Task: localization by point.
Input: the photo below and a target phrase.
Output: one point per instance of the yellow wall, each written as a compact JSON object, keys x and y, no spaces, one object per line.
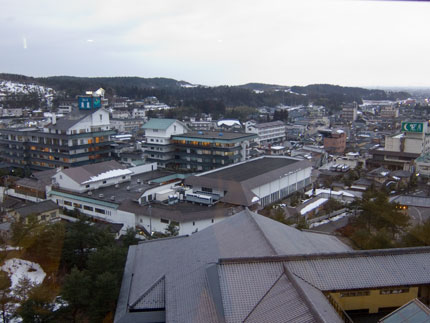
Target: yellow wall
{"x":374,"y":300}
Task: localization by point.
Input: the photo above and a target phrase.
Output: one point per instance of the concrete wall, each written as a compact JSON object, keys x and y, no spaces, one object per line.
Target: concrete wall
{"x":374,"y":300}
{"x":188,"y":227}
{"x":284,"y":186}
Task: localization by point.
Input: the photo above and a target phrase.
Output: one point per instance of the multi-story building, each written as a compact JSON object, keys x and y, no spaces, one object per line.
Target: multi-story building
{"x":268,"y":132}
{"x":158,"y":147}
{"x":82,"y":137}
{"x":389,"y":112}
{"x":208,"y":150}
{"x":334,"y":140}
{"x":139,"y":113}
{"x":349,"y":112}
{"x":127,"y":125}
{"x":262,"y":180}
{"x":402,"y":149}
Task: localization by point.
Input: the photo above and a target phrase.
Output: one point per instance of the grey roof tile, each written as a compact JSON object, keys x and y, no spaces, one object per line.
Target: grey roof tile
{"x":184,"y":261}
{"x":243,"y":286}
{"x":37,"y":208}
{"x":360,"y":270}
{"x":83,"y":173}
{"x":282,"y":303}
{"x":153,"y":298}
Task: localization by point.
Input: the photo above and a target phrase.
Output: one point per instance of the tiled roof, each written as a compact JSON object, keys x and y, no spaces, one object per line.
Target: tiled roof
{"x":71,"y":119}
{"x":215,"y":135}
{"x":84,"y":173}
{"x":188,"y":294}
{"x":269,"y":124}
{"x":158,"y":123}
{"x":37,"y":208}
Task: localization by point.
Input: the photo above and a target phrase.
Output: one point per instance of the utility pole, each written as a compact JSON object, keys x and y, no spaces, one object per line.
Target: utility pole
{"x":150,"y":220}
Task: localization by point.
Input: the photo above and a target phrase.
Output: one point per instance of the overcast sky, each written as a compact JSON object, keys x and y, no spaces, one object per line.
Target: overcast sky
{"x":345,"y":42}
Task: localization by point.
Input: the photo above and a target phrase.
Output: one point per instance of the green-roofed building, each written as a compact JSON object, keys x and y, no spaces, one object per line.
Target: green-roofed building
{"x":158,"y":147}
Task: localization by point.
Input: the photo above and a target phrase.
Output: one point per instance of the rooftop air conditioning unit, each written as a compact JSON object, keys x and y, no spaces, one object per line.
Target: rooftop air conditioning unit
{"x":128,"y":188}
{"x":112,"y":198}
{"x":116,"y":185}
{"x":90,"y":193}
{"x":101,"y":195}
{"x":138,"y":181}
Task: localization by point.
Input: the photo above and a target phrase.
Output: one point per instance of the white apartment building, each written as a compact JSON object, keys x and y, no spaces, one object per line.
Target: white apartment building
{"x":268,"y":132}
{"x":158,"y":147}
{"x":138,"y":113}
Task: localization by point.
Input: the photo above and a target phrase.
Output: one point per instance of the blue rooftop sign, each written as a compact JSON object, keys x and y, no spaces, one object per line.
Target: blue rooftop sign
{"x":89,"y":102}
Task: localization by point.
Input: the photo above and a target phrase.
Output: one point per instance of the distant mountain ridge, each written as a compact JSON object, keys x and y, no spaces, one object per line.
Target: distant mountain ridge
{"x":180,"y":93}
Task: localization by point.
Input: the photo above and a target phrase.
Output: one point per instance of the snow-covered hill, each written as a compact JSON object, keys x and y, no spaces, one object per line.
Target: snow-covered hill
{"x":9,"y":87}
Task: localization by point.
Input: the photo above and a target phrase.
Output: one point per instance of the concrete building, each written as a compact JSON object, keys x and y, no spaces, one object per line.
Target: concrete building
{"x":402,"y":149}
{"x":158,"y":147}
{"x":127,"y":125}
{"x":263,"y":180}
{"x":205,"y":150}
{"x":334,"y":140}
{"x":349,"y":113}
{"x":268,"y":132}
{"x":81,"y":137}
{"x":139,"y":197}
{"x":389,"y":112}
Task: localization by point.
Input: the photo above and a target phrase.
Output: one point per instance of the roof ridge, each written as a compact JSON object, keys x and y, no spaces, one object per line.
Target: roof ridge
{"x":303,"y":294}
{"x":264,"y":296}
{"x":328,"y":255}
{"x":164,"y":239}
{"x":146,"y":293}
{"x":251,"y":215}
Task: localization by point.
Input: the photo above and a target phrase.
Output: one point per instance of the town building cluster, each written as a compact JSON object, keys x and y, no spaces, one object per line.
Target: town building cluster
{"x":121,"y":163}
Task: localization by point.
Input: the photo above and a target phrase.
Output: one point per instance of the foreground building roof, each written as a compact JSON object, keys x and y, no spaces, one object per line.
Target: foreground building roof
{"x":250,"y":268}
{"x":179,"y":278}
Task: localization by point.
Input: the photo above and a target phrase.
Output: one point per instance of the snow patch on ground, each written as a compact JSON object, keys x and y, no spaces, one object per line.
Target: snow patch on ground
{"x":333,"y":219}
{"x":19,"y":269}
{"x":327,"y":191}
{"x":312,"y":206}
{"x":9,"y":248}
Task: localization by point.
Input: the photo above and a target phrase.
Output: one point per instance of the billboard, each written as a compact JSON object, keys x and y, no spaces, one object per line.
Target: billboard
{"x":89,"y":102}
{"x":412,"y":126}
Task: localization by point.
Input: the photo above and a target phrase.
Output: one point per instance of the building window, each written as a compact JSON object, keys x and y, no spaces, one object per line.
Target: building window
{"x":101,"y":211}
{"x":355,"y":293}
{"x":164,"y":221}
{"x":212,"y":220}
{"x":389,"y":291}
{"x":101,"y":117}
{"x":206,"y":189}
{"x":104,"y":182}
{"x":87,"y":186}
{"x":88,"y":208}
{"x":194,"y":223}
{"x":68,"y":203}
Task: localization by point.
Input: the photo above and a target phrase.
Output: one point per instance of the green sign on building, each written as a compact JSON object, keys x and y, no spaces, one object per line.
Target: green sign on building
{"x":412,"y":126}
